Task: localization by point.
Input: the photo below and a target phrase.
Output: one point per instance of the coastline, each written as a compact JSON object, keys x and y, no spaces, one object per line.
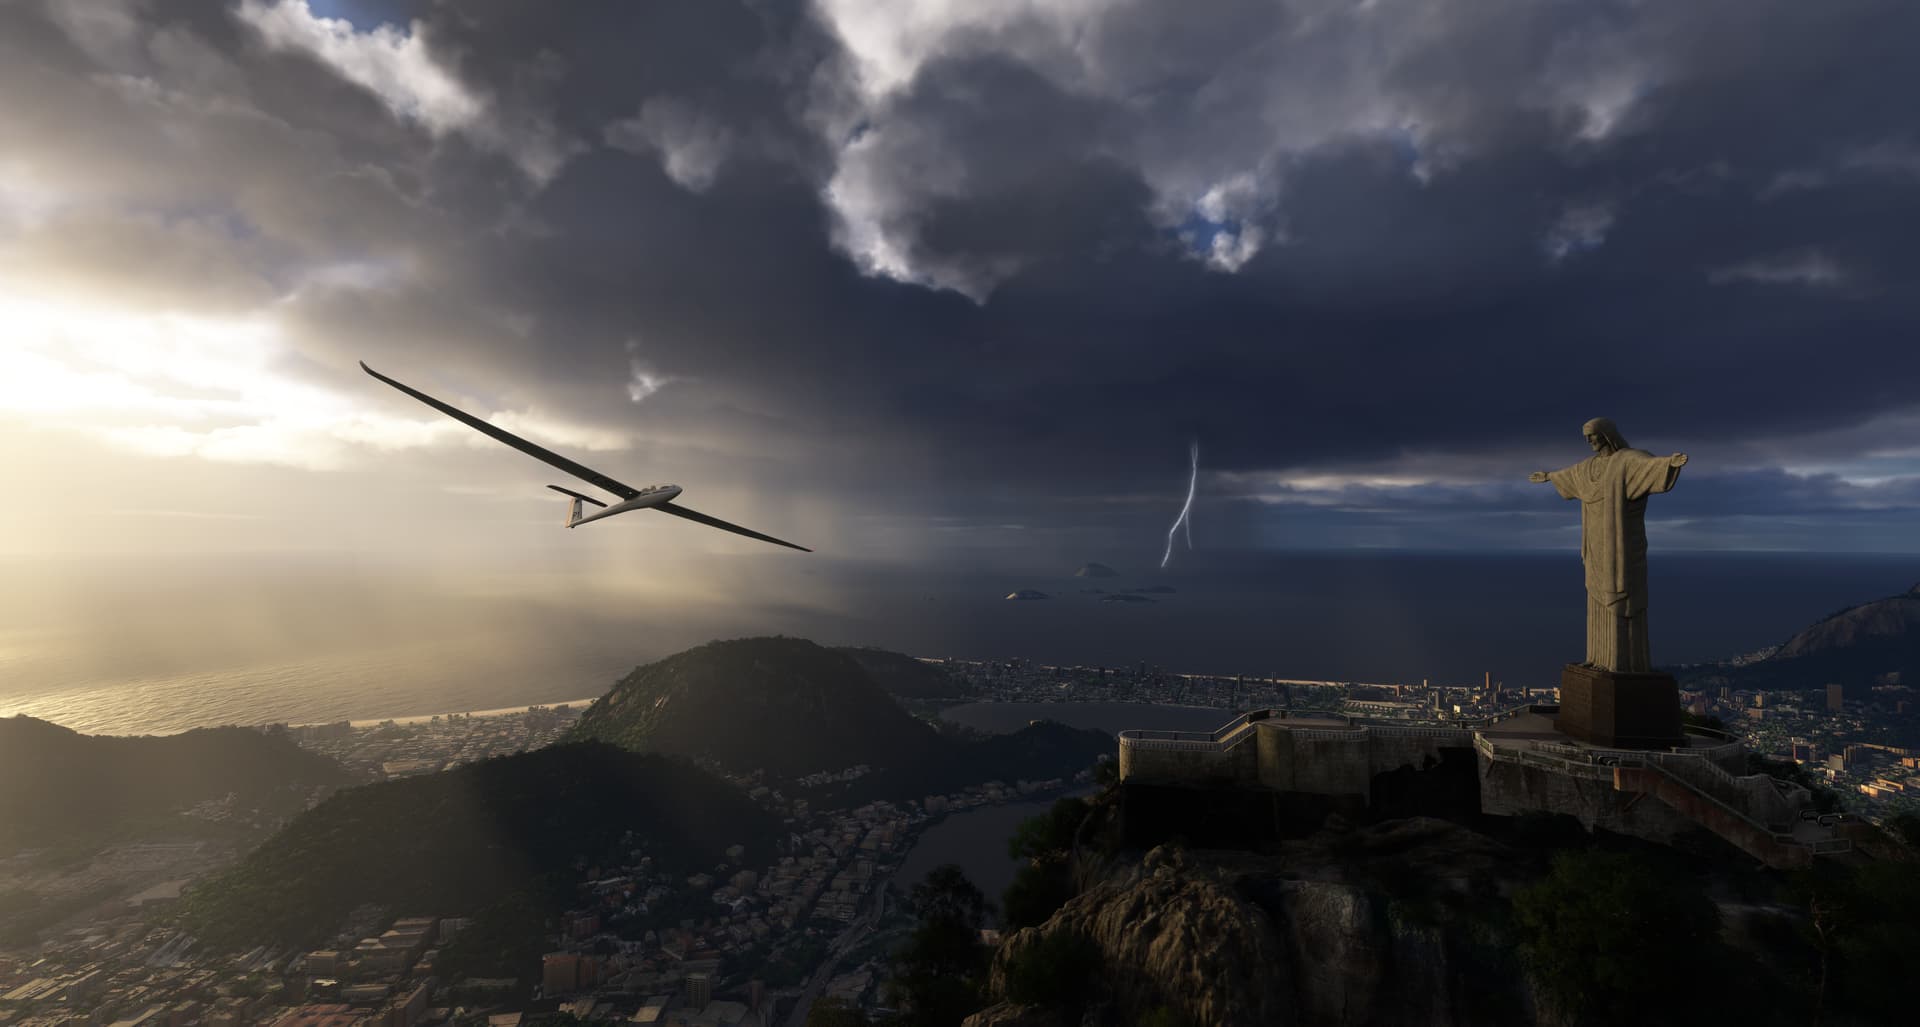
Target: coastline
{"x":426,"y":718}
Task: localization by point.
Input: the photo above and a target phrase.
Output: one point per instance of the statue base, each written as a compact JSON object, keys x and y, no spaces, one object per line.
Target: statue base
{"x":1619,"y":710}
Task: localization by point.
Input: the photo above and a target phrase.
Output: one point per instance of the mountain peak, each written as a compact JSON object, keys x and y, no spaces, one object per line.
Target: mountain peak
{"x":781,"y":704}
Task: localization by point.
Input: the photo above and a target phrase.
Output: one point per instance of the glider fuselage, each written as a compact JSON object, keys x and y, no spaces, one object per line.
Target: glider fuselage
{"x":652,"y":495}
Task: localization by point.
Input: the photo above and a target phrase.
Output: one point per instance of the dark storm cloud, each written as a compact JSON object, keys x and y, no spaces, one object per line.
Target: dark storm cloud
{"x":982,"y":287}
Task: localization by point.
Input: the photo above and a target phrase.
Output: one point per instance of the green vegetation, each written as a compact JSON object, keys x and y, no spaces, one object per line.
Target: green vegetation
{"x":62,"y":788}
{"x":1691,"y":719}
{"x":506,"y":939}
{"x":905,"y":677}
{"x":1617,"y":938}
{"x":1059,"y":972}
{"x":1045,"y":883}
{"x":784,"y":705}
{"x":940,"y":973}
{"x":1050,"y":834}
{"x":1862,"y":927}
{"x":505,"y":834}
{"x":1163,"y":1016}
{"x":792,"y":708}
{"x":1825,"y":799}
{"x":1905,"y":829}
{"x":832,"y":1012}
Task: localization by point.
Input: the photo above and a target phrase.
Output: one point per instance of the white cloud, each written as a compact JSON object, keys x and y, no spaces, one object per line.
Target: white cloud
{"x":1578,"y":228}
{"x":177,"y":385}
{"x":1599,"y":77}
{"x":642,"y":380}
{"x":1895,"y":159}
{"x":691,"y":146}
{"x":394,"y":65}
{"x":399,"y":67}
{"x":106,"y":30}
{"x":1230,"y":250}
{"x":1810,"y":268}
{"x":551,"y":432}
{"x":27,"y":199}
{"x":891,"y":41}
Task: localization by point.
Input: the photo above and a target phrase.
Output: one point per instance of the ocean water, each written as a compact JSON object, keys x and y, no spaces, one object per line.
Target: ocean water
{"x":114,"y":649}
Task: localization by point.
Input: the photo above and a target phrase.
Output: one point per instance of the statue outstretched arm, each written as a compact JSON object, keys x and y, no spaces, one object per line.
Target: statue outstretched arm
{"x":1647,"y":473}
{"x":1565,"y":481}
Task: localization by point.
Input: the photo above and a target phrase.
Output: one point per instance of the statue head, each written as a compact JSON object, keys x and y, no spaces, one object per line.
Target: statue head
{"x":1603,"y":436}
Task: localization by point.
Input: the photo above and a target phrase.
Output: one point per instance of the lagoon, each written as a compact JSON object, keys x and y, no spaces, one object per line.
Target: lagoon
{"x":1112,"y":717}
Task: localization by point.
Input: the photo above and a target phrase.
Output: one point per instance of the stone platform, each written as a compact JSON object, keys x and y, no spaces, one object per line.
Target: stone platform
{"x":1620,"y":711}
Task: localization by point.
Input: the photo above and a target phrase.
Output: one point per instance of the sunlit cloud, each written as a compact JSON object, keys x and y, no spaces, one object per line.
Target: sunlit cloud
{"x":394,"y":65}
{"x":26,"y":198}
{"x":399,"y":67}
{"x":176,"y":385}
{"x":642,"y":380}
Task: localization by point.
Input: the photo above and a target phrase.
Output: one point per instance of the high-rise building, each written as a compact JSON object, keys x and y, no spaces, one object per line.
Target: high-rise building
{"x":1836,"y":697}
{"x":699,"y":990}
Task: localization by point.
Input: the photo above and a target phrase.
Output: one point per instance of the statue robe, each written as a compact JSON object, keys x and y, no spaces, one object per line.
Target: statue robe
{"x":1612,"y":489}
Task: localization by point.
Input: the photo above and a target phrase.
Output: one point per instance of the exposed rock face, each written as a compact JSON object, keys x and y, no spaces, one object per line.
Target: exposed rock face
{"x":1375,"y":926}
{"x":1006,"y":1015}
{"x":1186,"y":937}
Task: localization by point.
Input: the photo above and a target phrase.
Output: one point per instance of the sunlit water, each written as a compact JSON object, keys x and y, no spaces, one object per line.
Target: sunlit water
{"x":434,"y":678}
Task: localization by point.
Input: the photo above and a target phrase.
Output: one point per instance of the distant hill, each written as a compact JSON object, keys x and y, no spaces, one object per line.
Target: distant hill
{"x":58,"y":786}
{"x":1876,"y":642}
{"x":904,"y":676}
{"x":458,"y":842}
{"x":1095,"y":570}
{"x":784,"y":705}
{"x":792,"y":708}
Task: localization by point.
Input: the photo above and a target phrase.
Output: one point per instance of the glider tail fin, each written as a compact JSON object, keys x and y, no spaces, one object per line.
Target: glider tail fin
{"x":573,"y":503}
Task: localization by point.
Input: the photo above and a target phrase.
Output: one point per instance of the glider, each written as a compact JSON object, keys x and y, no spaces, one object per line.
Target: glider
{"x":653,"y":497}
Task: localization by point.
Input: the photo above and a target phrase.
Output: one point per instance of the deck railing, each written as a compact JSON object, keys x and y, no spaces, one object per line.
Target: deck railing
{"x":1225,"y":737}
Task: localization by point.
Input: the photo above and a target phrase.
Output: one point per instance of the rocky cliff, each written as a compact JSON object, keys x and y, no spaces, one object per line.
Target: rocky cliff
{"x":1396,"y":923}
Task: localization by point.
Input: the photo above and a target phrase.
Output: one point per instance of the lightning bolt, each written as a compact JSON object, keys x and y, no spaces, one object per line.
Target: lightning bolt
{"x":1185,"y":509}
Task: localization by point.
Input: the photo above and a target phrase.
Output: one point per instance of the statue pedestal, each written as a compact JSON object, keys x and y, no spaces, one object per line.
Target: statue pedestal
{"x":1619,"y":711}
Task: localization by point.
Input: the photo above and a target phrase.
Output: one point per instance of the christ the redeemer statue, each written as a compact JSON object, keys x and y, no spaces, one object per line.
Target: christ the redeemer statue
{"x":1612,"y":487}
